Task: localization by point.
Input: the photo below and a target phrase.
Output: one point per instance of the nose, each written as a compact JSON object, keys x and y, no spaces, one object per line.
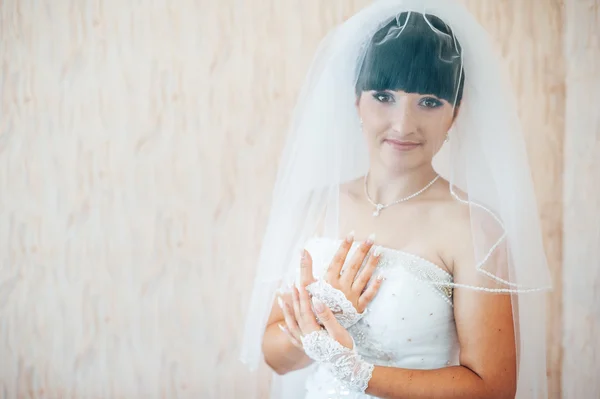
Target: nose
{"x":404,"y":121}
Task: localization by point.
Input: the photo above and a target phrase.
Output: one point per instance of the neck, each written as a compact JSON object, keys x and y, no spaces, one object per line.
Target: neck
{"x":385,"y":186}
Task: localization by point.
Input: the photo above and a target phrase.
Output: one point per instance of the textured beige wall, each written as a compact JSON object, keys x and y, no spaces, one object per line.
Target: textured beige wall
{"x":137,"y":154}
{"x":581,"y":270}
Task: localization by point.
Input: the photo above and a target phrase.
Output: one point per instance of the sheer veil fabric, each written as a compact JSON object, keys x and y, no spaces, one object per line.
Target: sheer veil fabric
{"x":485,"y":163}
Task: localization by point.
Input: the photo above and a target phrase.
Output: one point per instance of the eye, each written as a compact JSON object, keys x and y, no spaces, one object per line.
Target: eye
{"x":430,"y":102}
{"x":383,"y":97}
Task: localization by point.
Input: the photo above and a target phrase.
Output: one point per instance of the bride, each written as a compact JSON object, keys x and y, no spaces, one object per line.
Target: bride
{"x":403,"y":256}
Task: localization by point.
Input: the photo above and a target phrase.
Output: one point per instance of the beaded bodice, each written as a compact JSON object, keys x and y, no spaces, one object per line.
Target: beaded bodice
{"x":409,"y":324}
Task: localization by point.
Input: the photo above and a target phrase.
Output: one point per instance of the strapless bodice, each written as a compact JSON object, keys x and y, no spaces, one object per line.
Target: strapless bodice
{"x":409,"y":324}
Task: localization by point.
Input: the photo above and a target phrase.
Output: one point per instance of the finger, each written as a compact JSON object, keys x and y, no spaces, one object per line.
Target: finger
{"x":290,"y":319}
{"x":333,"y":327}
{"x":369,"y":293}
{"x":308,"y":320}
{"x":357,"y":260}
{"x":296,"y":306}
{"x":306,"y":273}
{"x":293,"y":340}
{"x":335,"y":267}
{"x":366,"y":273}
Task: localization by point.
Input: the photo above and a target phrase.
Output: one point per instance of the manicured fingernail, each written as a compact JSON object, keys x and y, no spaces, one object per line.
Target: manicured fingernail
{"x":350,"y":237}
{"x":377,"y":252}
{"x":280,"y":302}
{"x":371,"y":239}
{"x":319,"y":307}
{"x":302,"y":254}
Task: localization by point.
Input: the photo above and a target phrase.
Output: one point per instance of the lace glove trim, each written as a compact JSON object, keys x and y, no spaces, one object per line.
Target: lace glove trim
{"x":342,"y":308}
{"x":345,"y":364}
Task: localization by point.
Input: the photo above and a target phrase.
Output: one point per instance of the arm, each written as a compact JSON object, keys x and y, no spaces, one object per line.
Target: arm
{"x":487,"y":356}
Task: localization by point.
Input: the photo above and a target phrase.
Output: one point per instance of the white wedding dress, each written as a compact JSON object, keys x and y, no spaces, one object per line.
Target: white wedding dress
{"x":409,"y":324}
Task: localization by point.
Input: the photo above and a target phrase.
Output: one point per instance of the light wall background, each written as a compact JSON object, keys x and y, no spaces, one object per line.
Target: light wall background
{"x":138,"y":145}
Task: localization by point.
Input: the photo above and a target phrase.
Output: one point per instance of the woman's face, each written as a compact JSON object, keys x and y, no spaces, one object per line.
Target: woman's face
{"x":404,"y":130}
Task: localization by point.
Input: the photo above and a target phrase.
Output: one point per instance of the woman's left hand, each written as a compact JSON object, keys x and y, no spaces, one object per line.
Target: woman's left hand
{"x":354,"y":283}
{"x":308,"y":322}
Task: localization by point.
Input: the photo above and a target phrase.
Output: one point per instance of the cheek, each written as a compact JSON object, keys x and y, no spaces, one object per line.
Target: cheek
{"x":368,"y":108}
{"x":436,"y":124}
{"x":376,"y":117}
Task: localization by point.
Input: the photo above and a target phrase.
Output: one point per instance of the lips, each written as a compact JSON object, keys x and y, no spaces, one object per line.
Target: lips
{"x":401,"y":145}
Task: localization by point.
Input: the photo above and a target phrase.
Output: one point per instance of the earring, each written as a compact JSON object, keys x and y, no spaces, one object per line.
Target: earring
{"x":447,"y":139}
{"x":361,"y":123}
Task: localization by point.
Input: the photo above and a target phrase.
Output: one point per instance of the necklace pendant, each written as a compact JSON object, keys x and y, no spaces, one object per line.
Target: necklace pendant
{"x":378,"y":210}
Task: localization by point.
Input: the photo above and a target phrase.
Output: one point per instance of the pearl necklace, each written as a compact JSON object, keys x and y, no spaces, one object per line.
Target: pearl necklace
{"x":380,"y":207}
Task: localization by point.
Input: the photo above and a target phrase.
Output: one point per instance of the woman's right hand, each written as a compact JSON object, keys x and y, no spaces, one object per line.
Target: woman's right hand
{"x":290,"y":326}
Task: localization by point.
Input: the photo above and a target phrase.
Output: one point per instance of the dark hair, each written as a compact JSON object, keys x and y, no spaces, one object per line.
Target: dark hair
{"x":416,"y":60}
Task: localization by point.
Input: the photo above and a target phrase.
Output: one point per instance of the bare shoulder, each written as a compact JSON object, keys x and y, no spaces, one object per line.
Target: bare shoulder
{"x":453,"y":218}
{"x":465,"y":226}
{"x":348,"y":193}
{"x":453,"y":214}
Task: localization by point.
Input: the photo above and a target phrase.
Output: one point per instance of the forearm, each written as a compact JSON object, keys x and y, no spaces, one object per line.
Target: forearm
{"x":447,"y":383}
{"x":280,"y":354}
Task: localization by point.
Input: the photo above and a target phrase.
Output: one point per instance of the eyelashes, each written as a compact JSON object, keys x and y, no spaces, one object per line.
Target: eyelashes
{"x":388,"y":98}
{"x":430,"y":102}
{"x":383,"y":97}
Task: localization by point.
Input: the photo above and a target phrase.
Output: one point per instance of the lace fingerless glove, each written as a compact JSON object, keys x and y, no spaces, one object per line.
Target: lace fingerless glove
{"x":342,"y":308}
{"x":345,"y":364}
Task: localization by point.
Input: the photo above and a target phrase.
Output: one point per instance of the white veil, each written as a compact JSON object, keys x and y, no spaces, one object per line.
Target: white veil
{"x":485,"y":163}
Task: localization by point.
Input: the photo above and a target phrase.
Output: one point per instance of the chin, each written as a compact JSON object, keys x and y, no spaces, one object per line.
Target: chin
{"x":398,"y":163}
